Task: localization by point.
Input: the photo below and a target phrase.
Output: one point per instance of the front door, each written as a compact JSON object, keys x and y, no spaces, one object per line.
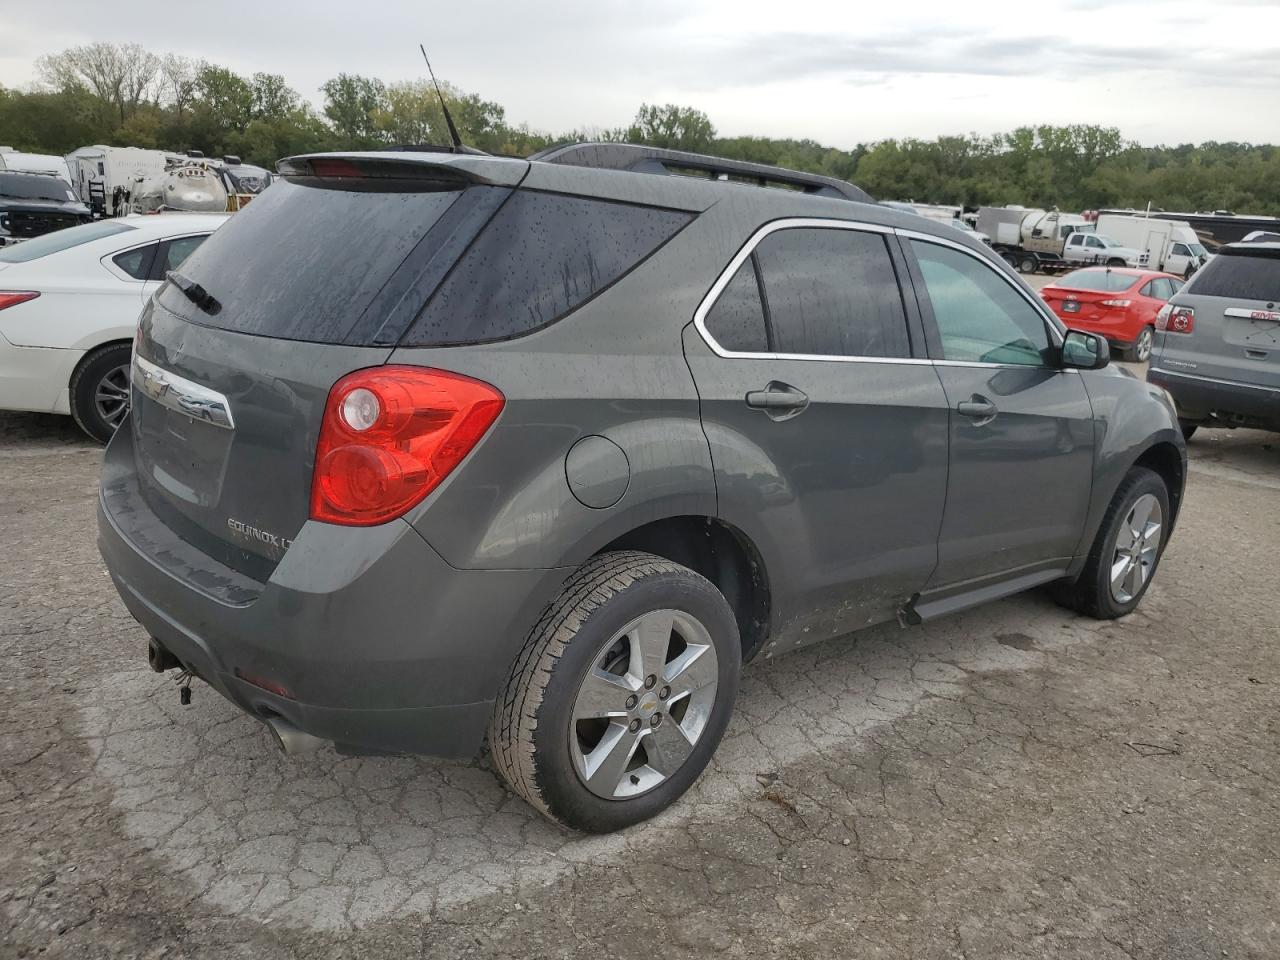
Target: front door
{"x":828,"y":436}
{"x":1021,"y":429}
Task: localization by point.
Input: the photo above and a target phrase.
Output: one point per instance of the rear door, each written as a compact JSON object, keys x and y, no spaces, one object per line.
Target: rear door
{"x":1021,"y":429}
{"x":1236,"y":332}
{"x":828,"y":431}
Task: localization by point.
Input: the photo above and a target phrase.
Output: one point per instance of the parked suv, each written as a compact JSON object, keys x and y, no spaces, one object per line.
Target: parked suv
{"x":1217,"y":344}
{"x":428,"y":447}
{"x":33,"y":204}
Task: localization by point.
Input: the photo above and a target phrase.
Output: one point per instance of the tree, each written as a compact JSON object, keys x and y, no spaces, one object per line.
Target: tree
{"x":353,"y":103}
{"x":225,"y":97}
{"x":673,"y":127}
{"x":120,"y":74}
{"x":272,"y":98}
{"x":178,"y":81}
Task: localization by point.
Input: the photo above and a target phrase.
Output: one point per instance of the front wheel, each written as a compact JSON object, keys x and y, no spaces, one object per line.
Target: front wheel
{"x":1126,"y":552}
{"x":620,"y":695}
{"x":100,"y":390}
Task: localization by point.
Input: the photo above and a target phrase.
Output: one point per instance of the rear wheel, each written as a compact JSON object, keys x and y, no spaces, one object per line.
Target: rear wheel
{"x":620,"y":695}
{"x":99,"y":390}
{"x":1028,"y":265}
{"x":1141,"y":349}
{"x":1125,"y":553}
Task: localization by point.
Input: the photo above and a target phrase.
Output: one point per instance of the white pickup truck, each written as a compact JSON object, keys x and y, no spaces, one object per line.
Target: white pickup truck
{"x":1095,"y":248}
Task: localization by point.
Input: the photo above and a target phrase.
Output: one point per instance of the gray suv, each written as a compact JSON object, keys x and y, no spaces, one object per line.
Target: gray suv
{"x":430,"y":448}
{"x":1217,"y":343}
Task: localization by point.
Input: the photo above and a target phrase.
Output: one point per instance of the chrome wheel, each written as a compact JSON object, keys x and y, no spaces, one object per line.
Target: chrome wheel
{"x":643,"y":704}
{"x":1142,"y":350}
{"x":111,"y":397}
{"x":1137,"y":546}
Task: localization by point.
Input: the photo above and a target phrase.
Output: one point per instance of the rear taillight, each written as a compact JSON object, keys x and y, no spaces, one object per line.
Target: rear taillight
{"x":1115,"y":303}
{"x":1173,"y":319}
{"x":12,"y":298}
{"x":390,"y":435}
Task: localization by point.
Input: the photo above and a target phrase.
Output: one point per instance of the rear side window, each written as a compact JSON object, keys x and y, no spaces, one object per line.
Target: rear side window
{"x":302,"y":262}
{"x":832,"y":292}
{"x":177,"y":251}
{"x":541,"y":256}
{"x":737,"y":318}
{"x":137,"y":263}
{"x":1239,"y":278}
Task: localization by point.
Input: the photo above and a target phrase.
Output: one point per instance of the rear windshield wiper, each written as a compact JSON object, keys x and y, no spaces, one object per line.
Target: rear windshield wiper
{"x":197,"y":294}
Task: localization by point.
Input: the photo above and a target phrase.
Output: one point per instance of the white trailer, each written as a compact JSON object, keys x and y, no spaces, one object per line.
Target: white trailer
{"x":1171,"y":245}
{"x":103,"y":176}
{"x":20,"y":162}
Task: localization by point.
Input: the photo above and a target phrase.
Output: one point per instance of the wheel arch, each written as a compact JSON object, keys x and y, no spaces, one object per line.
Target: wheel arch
{"x":1165,"y":459}
{"x":92,"y":348}
{"x":724,"y":555}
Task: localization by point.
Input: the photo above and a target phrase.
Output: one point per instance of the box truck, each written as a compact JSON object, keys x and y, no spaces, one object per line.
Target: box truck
{"x":1171,"y":245}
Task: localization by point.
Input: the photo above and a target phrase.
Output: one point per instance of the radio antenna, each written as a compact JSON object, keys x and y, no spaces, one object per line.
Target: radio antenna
{"x":453,"y":131}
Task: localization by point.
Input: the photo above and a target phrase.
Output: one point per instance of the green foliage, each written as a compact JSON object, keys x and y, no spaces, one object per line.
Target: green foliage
{"x":122,"y":94}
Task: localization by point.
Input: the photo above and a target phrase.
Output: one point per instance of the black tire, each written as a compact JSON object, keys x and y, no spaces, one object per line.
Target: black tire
{"x":103,"y":363}
{"x":1091,"y":593}
{"x":531,"y":724}
{"x":1188,"y":428}
{"x":1116,"y":262}
{"x":1028,"y":265}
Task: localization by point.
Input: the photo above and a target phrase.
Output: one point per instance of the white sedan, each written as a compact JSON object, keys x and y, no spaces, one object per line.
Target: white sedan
{"x":69,"y":305}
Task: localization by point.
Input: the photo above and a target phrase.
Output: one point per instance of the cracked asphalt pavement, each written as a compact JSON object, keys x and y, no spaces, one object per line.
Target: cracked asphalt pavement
{"x":1014,"y":781}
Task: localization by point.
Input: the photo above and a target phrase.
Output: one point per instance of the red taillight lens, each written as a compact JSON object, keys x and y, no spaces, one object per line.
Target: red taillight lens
{"x":390,"y":435}
{"x":1115,"y":303}
{"x":1173,"y":319}
{"x":12,"y":298}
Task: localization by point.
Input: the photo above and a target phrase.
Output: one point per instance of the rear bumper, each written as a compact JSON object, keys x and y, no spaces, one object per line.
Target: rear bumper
{"x":378,"y":642}
{"x":1202,"y":398}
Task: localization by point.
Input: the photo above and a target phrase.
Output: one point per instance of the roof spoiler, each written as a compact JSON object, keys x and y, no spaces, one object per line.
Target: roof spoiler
{"x":643,"y":159}
{"x":407,"y":165}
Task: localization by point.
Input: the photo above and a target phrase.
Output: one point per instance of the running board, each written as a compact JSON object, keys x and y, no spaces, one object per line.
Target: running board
{"x":914,"y":612}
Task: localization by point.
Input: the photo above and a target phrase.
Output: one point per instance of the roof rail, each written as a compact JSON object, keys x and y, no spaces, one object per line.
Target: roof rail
{"x":642,"y":159}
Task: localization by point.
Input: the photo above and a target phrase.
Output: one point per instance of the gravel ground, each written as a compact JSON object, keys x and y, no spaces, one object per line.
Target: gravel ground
{"x":1010,"y":782}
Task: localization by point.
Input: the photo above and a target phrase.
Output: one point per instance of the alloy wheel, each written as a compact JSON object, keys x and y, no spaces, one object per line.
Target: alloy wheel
{"x":1137,"y":547}
{"x":1143,"y":349}
{"x":111,"y":396}
{"x":644,"y":704}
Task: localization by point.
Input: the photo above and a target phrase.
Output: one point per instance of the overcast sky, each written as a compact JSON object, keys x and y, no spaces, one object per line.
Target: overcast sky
{"x":841,"y":72}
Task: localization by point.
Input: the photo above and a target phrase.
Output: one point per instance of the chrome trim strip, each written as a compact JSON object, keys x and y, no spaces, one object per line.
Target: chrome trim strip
{"x":1247,"y":314}
{"x":183,"y":395}
{"x":1226,"y":383}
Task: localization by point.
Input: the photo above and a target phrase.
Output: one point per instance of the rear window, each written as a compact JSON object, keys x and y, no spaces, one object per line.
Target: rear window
{"x":327,"y":262}
{"x":1239,"y":277}
{"x":1103,"y":280}
{"x":540,"y":257}
{"x":60,"y":240}
{"x":303,"y":261}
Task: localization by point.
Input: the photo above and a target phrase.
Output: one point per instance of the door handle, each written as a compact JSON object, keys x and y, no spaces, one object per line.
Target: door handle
{"x":978,"y":408}
{"x":779,"y":400}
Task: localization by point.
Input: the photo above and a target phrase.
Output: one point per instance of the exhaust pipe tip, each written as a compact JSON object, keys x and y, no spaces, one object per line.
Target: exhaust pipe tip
{"x":160,"y":658}
{"x":290,"y":739}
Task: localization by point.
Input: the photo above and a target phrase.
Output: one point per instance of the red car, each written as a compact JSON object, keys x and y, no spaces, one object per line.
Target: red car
{"x":1120,"y":304}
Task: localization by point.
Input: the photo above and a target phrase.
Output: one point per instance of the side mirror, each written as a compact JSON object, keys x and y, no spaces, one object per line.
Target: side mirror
{"x":1085,"y":351}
